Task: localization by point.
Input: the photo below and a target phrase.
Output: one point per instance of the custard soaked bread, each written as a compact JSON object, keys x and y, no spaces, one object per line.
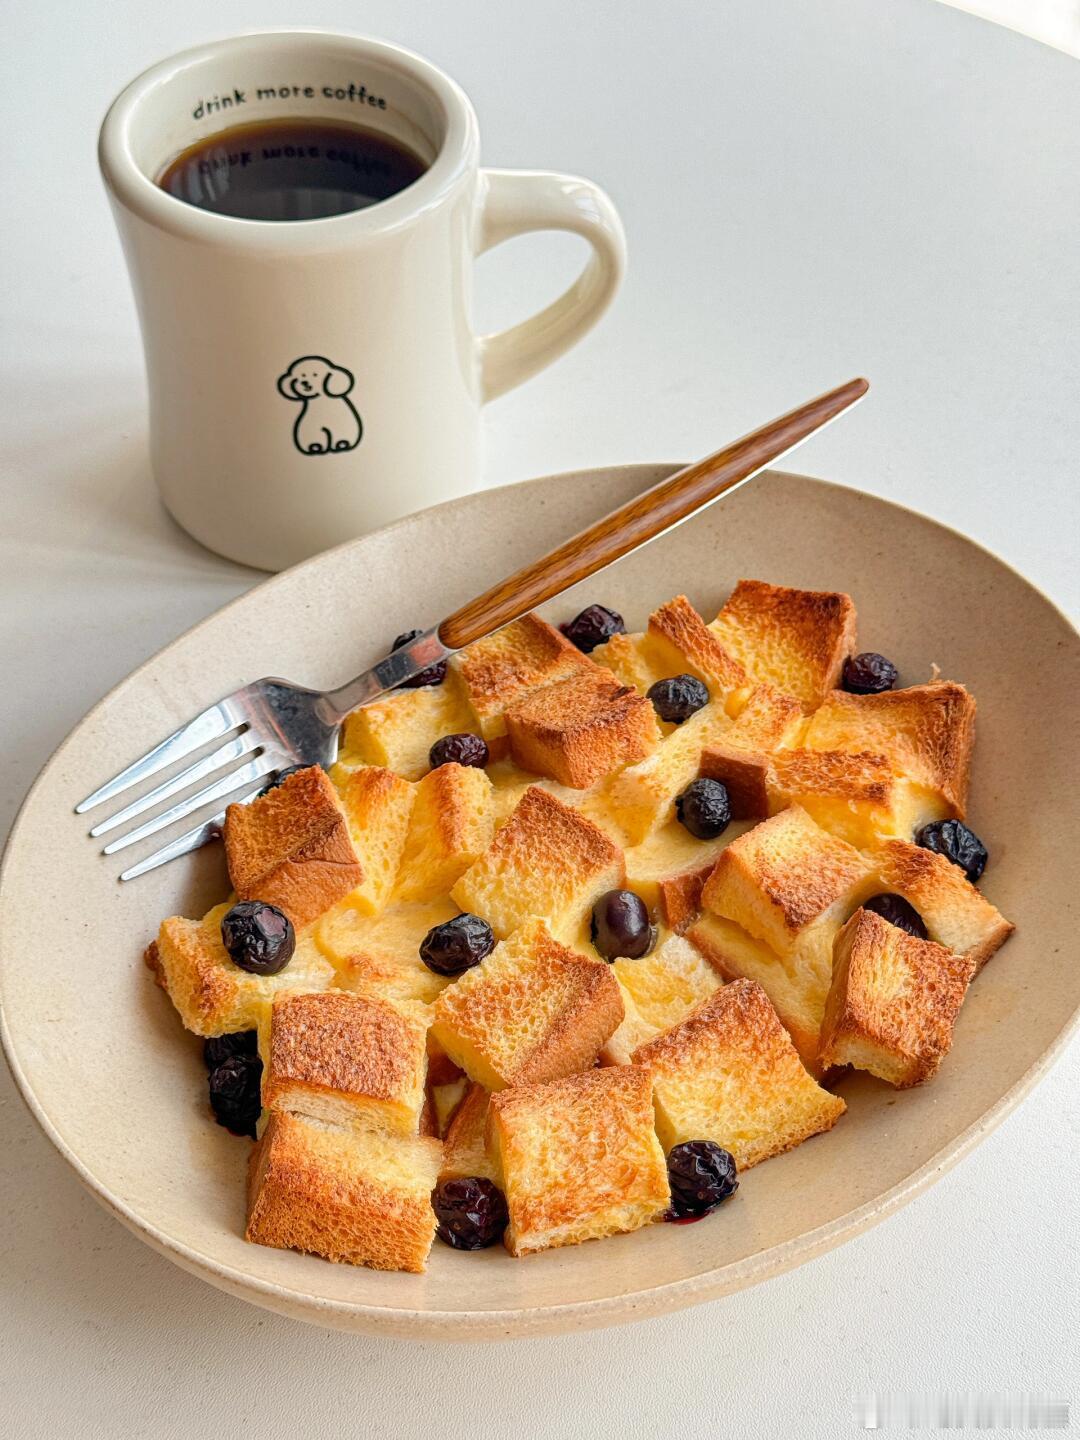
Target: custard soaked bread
{"x":347,"y":1060}
{"x":728,"y":1072}
{"x":352,"y":1195}
{"x":534,"y":1010}
{"x":546,"y":860}
{"x":398,"y":731}
{"x":796,"y":640}
{"x":452,"y":823}
{"x":659,"y":990}
{"x":787,"y":886}
{"x":925,"y":732}
{"x":581,"y":729}
{"x":504,"y":667}
{"x":893,"y":1002}
{"x":585,"y":816}
{"x":291,"y":847}
{"x":579,"y":1159}
{"x":212,"y":994}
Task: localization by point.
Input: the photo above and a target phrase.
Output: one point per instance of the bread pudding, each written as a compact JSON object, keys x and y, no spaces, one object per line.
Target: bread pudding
{"x":583,"y":926}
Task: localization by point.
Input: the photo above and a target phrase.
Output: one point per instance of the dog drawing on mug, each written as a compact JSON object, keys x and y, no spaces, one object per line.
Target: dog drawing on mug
{"x":328,"y":421}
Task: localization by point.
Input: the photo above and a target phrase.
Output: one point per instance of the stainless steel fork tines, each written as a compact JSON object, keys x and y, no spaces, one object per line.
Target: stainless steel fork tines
{"x":276,"y":724}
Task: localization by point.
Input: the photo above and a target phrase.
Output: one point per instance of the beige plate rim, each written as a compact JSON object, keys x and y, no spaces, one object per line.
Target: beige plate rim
{"x":475,"y":1325}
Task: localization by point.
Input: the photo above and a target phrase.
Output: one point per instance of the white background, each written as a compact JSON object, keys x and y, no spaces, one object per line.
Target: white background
{"x":810,"y":190}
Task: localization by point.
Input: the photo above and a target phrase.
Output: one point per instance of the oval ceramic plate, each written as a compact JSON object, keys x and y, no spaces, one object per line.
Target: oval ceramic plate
{"x":120,"y":1088}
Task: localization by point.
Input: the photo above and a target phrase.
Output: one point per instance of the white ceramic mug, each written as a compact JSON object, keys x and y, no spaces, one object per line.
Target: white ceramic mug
{"x":312,"y":380}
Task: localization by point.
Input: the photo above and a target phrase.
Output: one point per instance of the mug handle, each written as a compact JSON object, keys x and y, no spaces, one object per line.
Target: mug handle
{"x":515,"y":202}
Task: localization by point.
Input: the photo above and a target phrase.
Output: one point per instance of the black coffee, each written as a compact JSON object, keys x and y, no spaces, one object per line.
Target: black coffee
{"x":290,"y":170}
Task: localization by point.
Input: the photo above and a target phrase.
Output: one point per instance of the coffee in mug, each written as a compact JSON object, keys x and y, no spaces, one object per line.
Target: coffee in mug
{"x":290,"y":169}
{"x":301,"y":212}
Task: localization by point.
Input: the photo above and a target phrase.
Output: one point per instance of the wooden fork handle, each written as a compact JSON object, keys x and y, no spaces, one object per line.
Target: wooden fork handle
{"x":643,"y":518}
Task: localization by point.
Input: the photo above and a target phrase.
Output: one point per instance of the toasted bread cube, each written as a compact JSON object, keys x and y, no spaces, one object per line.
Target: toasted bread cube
{"x":464,"y":1152}
{"x":926,"y":733}
{"x":854,"y":796}
{"x":581,"y":728}
{"x":212,"y":994}
{"x":685,"y":644}
{"x":669,"y":869}
{"x":796,"y":640}
{"x":955,"y":913}
{"x":346,"y":1059}
{"x":379,"y":805}
{"x":729,"y":1073}
{"x":797,"y":994}
{"x":291,"y":847}
{"x":789,"y":885}
{"x":501,"y":668}
{"x":634,"y":660}
{"x":380,"y":955}
{"x":398,"y":731}
{"x":662,"y":989}
{"x":360,"y":1197}
{"x":534,"y":1010}
{"x":546,"y":860}
{"x":893,"y":1002}
{"x":767,"y":720}
{"x":578,"y":1159}
{"x":453,"y":822}
{"x":642,"y":796}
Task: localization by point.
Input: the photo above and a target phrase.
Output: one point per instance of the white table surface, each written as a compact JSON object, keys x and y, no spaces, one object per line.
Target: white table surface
{"x":810,"y":190}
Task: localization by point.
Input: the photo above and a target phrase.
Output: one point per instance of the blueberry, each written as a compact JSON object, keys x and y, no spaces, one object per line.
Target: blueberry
{"x":457,"y":945}
{"x":620,"y":926}
{"x":433,"y":675}
{"x":704,"y":808}
{"x":470,"y":1212}
{"x":462,"y":749}
{"x":259,"y":937}
{"x":868,"y":674}
{"x":957,"y":843}
{"x":896,"y":910}
{"x":235,"y":1093}
{"x":219,"y":1047}
{"x":701,"y":1175}
{"x":593,"y":627}
{"x":675,"y":700}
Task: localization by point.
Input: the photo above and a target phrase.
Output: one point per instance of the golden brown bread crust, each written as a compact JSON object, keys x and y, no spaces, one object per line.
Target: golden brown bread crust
{"x":212,"y":995}
{"x":464,"y":1153}
{"x":797,"y":869}
{"x":291,"y":847}
{"x":926,"y":732}
{"x":533,"y":1011}
{"x":351,"y":1048}
{"x":688,"y":644}
{"x":580,"y":729}
{"x":768,"y":719}
{"x":577,"y":1159}
{"x":956,"y":914}
{"x":354,"y":1197}
{"x":502,"y":667}
{"x":730,"y":1073}
{"x":798,"y":999}
{"x":893,"y":1002}
{"x":797,"y":640}
{"x":546,"y":860}
{"x":453,"y":822}
{"x":152,"y":961}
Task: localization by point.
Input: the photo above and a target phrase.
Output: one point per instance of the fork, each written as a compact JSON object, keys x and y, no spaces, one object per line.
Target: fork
{"x":278,"y":724}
